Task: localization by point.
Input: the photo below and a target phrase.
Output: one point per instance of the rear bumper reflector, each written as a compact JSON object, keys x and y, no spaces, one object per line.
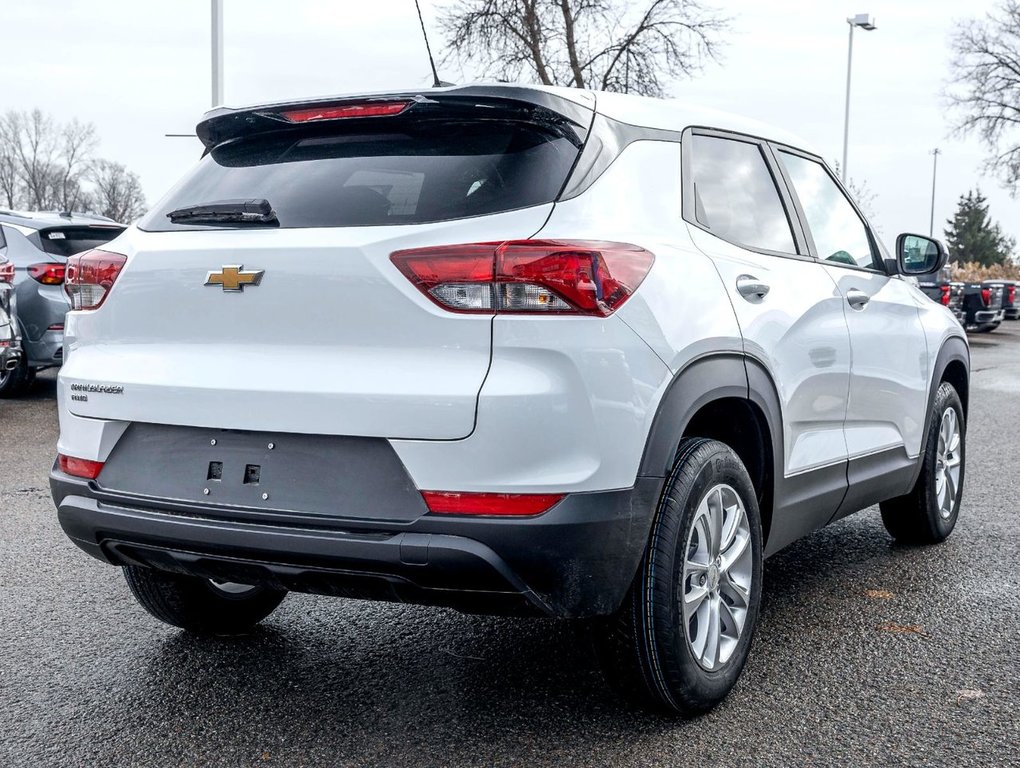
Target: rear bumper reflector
{"x":495,"y":504}
{"x":70,"y":465}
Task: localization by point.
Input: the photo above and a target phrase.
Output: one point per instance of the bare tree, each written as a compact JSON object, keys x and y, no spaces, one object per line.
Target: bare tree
{"x":604,"y":44}
{"x":76,"y":146}
{"x":985,"y":87}
{"x":46,"y":165}
{"x":117,"y":192}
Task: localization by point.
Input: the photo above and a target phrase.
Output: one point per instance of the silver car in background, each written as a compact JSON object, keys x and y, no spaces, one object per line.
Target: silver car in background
{"x":38,"y":244}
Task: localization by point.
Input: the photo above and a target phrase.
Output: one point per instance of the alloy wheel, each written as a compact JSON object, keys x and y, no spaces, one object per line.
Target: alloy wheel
{"x":715,"y":585}
{"x":948,"y":463}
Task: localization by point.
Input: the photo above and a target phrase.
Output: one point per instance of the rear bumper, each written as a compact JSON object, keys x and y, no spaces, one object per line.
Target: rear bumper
{"x":988,"y":316}
{"x":1012,"y":313}
{"x":10,"y":356}
{"x":576,"y":560}
{"x":47,"y":350}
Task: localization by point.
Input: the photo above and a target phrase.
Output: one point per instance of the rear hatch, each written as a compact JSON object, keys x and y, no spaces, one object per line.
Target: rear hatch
{"x":327,"y":337}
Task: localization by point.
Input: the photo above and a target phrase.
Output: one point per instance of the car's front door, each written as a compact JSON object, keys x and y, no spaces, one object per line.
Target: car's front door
{"x":889,"y":369}
{"x":790,"y":315}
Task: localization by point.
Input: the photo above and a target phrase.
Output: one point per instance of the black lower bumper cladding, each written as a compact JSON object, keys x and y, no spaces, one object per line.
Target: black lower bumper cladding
{"x":576,"y":560}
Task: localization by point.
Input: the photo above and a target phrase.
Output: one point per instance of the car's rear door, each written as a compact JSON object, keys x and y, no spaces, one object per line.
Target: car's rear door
{"x":890,"y":370}
{"x":790,"y":314}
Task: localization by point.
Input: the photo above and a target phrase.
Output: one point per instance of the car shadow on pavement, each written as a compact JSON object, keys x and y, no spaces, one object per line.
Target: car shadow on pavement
{"x":378,"y":677}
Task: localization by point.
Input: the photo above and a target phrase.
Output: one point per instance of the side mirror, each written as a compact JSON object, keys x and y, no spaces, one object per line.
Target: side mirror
{"x":919,"y":255}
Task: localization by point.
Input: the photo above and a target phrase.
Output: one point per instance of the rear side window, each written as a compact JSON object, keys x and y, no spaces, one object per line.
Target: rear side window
{"x":407,"y":174}
{"x":839,"y":233}
{"x":735,"y":196}
{"x":67,"y":241}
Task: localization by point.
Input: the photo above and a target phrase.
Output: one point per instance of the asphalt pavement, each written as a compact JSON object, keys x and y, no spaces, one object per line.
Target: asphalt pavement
{"x":867,"y":653}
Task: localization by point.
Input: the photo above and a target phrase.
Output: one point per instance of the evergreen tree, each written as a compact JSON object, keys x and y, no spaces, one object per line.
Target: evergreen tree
{"x":973,"y":237}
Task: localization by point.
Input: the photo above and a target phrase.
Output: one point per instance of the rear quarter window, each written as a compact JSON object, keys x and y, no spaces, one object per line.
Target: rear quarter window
{"x":407,"y":174}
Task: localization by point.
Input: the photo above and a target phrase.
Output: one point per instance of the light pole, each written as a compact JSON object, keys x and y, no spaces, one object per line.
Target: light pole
{"x":934,"y":169}
{"x":217,"y":52}
{"x":867,"y":23}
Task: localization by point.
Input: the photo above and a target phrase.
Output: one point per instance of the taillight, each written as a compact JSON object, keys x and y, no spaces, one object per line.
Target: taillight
{"x":986,"y":296}
{"x":90,"y":470}
{"x":946,"y":290}
{"x":47,"y":274}
{"x":342,"y":111}
{"x":90,"y":275}
{"x":528,"y":276}
{"x":1010,"y":294}
{"x":493,"y":504}
{"x":7,"y":272}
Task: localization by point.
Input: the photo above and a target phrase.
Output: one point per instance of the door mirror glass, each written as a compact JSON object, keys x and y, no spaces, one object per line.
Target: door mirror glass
{"x":919,"y":255}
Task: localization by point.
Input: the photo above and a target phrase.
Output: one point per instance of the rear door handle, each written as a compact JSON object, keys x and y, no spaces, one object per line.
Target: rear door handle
{"x":751,"y":288}
{"x":857,"y":299}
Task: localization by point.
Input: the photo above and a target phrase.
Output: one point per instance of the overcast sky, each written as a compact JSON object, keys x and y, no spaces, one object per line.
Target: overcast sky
{"x":139,"y":70}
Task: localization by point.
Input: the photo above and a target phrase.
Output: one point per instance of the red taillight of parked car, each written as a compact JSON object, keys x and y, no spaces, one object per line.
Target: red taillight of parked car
{"x":70,"y":465}
{"x":528,"y":276}
{"x":1011,"y":294}
{"x":946,"y":292}
{"x":489,"y":504}
{"x":90,"y":275}
{"x":47,"y":274}
{"x":986,"y":296}
{"x":7,"y":272}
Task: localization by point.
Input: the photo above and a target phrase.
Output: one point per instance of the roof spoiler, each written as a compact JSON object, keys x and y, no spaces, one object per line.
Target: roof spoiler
{"x":570,"y":116}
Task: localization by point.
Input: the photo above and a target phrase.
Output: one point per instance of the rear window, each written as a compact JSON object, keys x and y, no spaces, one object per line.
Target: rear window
{"x":408,"y":175}
{"x":67,"y":241}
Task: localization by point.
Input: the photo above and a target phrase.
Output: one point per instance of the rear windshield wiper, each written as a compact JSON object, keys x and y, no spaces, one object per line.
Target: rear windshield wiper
{"x":256,"y":211}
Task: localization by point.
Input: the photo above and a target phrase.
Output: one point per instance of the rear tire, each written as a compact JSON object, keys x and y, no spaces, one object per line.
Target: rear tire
{"x":198,"y":605}
{"x":15,"y":383}
{"x":648,"y":651}
{"x":928,"y":514}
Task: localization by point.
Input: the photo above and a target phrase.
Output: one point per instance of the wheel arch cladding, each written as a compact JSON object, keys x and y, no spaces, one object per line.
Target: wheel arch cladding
{"x":727,"y":398}
{"x":952,"y":365}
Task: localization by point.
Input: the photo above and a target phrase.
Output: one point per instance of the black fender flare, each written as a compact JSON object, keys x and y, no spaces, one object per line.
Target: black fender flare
{"x":953,"y":349}
{"x":700,"y":382}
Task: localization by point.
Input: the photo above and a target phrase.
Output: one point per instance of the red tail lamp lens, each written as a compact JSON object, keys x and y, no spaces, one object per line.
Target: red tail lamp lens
{"x":89,"y":277}
{"x":1011,"y":294}
{"x":986,"y":296}
{"x":342,"y":111}
{"x":489,"y":504}
{"x":528,"y":276}
{"x":90,"y":470}
{"x":47,"y":274}
{"x":945,"y":295}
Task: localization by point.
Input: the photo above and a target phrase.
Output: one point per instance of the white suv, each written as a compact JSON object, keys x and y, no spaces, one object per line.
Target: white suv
{"x":506,"y":349}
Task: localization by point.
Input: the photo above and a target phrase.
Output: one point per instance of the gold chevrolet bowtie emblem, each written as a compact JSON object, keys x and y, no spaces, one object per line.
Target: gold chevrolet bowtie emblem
{"x":233,"y":277}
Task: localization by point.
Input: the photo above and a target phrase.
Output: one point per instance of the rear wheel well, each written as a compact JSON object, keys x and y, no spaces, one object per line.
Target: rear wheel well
{"x":741,"y":425}
{"x":956,"y":374}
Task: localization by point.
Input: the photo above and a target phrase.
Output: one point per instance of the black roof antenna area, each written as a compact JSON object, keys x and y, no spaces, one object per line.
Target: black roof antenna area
{"x":436,"y":82}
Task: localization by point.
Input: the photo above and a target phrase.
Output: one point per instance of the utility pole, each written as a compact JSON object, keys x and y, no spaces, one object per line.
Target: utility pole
{"x":866,"y":22}
{"x":934,"y":170}
{"x":217,"y":52}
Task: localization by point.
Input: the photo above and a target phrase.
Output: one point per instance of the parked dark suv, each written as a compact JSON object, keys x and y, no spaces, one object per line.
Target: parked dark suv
{"x":38,"y":245}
